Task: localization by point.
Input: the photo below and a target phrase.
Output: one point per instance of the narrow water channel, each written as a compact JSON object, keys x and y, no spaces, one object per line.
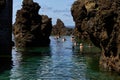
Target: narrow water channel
{"x":59,"y":61}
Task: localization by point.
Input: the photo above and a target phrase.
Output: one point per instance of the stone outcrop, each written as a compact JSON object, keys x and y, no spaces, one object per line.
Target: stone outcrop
{"x":69,"y":31}
{"x":59,"y":28}
{"x":101,"y":20}
{"x":30,"y":28}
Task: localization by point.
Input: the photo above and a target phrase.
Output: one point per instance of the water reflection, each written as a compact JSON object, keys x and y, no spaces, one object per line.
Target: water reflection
{"x":25,"y":63}
{"x":16,"y":70}
{"x":59,"y":62}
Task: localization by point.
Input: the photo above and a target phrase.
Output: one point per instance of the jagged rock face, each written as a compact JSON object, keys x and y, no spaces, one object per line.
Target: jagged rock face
{"x":81,"y":36}
{"x":59,"y":28}
{"x":101,"y":20}
{"x":30,"y":28}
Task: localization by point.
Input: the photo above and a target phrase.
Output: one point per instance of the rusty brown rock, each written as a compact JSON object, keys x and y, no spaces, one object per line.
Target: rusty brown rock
{"x":30,"y":28}
{"x":101,"y":20}
{"x":59,"y":28}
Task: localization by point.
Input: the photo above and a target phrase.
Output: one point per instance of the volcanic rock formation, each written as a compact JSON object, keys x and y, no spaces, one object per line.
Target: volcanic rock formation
{"x":101,"y":20}
{"x":30,"y":28}
{"x":59,"y":28}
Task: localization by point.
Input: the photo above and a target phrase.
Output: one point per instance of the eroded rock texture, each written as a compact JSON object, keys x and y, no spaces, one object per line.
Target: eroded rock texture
{"x":59,"y":28}
{"x":30,"y":28}
{"x":101,"y":20}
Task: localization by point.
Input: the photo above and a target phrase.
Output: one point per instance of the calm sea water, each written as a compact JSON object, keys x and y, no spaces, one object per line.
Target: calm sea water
{"x":59,"y":61}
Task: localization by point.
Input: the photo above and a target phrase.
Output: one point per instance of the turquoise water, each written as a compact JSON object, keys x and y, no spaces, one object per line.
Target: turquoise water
{"x":59,"y":61}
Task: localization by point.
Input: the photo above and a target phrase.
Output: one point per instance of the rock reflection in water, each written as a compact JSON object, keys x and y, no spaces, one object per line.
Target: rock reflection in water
{"x":25,"y":63}
{"x":16,"y":68}
{"x":62,"y":63}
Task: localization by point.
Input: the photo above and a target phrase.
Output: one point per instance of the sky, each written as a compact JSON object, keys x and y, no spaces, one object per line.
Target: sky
{"x":53,"y":8}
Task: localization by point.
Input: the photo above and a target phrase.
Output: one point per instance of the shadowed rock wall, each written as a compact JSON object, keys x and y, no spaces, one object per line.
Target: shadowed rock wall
{"x":5,"y":34}
{"x":5,"y":26}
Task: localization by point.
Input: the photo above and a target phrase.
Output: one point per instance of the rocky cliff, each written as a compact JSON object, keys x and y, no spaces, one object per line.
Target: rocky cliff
{"x":30,"y":28}
{"x":101,"y":20}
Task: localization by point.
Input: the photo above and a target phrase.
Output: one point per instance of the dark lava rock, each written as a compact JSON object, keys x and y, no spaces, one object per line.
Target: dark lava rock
{"x":101,"y":20}
{"x":30,"y":28}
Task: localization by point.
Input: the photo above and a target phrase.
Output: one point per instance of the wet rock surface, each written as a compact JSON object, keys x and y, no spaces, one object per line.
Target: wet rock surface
{"x":30,"y":28}
{"x":101,"y":20}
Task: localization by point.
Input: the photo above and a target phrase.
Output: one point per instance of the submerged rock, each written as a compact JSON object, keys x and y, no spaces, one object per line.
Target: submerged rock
{"x":30,"y":28}
{"x":101,"y":20}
